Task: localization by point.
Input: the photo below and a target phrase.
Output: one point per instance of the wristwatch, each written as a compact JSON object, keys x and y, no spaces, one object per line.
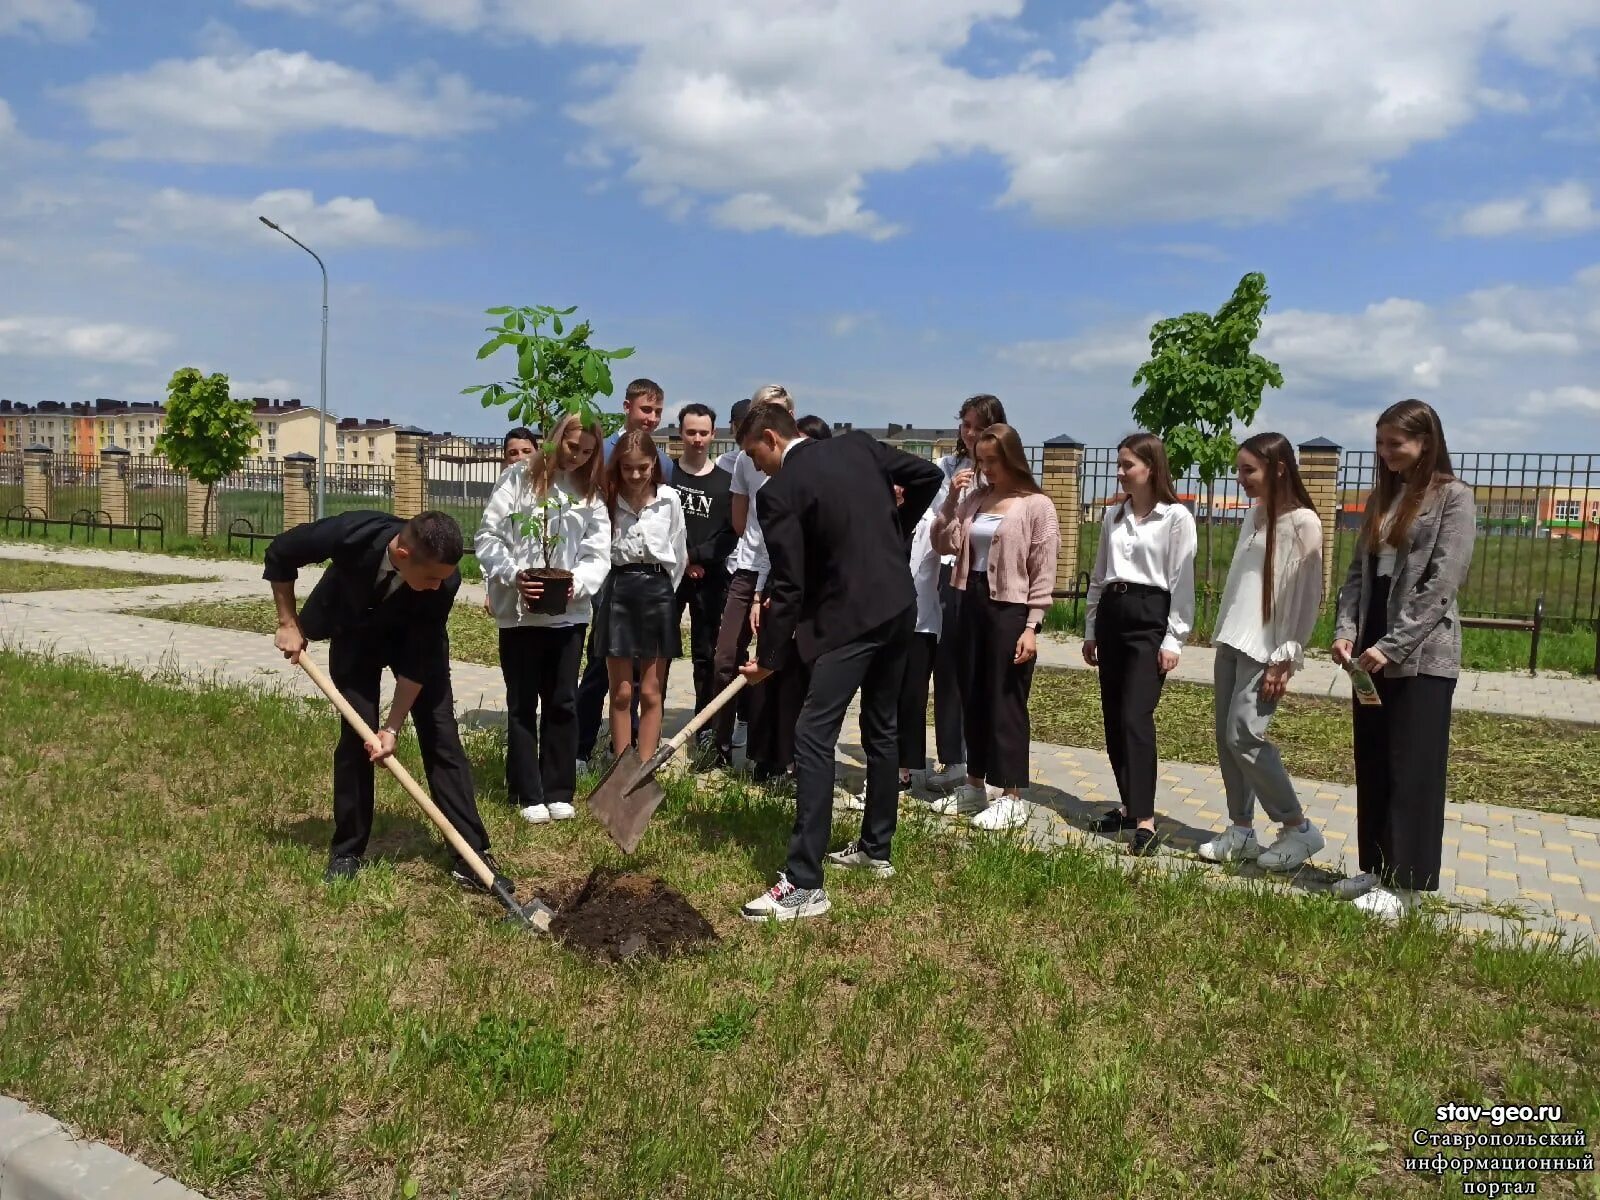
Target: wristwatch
{"x":1036,"y":627}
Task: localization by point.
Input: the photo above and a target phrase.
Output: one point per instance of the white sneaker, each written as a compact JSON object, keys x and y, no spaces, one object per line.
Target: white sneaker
{"x":965,"y":801}
{"x":1354,"y":887}
{"x":1291,"y":849}
{"x":1008,"y":812}
{"x":1390,"y":905}
{"x":785,"y":902}
{"x":562,"y":812}
{"x":855,"y":858}
{"x":948,"y":775}
{"x":1234,"y":842}
{"x":536,"y":814}
{"x":741,"y":732}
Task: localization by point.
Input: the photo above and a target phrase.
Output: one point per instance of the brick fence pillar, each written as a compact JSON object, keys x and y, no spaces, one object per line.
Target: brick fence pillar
{"x":299,"y":490}
{"x":1319,"y":468}
{"x":114,"y":484}
{"x":1063,"y":468}
{"x":410,"y":472}
{"x":37,"y":477}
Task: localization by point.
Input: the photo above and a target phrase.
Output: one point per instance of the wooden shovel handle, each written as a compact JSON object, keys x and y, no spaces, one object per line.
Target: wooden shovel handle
{"x":702,"y":718}
{"x":424,"y":802}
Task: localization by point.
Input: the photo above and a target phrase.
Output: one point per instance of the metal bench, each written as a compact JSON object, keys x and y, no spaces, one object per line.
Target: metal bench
{"x":247,"y":534}
{"x":1533,"y":624}
{"x":87,"y":519}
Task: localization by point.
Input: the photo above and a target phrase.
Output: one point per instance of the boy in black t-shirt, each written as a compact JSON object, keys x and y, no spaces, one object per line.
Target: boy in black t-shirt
{"x":708,"y":514}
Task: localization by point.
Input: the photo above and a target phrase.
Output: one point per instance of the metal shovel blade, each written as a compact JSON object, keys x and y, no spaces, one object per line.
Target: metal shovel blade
{"x":623,"y":801}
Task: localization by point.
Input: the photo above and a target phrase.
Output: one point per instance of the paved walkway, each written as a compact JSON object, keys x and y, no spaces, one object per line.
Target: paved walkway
{"x":1505,"y":869}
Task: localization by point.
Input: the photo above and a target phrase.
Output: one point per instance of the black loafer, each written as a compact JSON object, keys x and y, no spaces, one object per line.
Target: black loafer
{"x":344,"y":866}
{"x":1145,"y":842}
{"x":1114,"y":821}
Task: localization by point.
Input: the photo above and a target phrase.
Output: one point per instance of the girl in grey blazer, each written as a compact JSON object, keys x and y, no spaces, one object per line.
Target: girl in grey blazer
{"x":1398,"y":621}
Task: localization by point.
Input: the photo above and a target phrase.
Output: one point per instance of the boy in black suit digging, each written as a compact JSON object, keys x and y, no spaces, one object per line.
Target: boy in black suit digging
{"x":382,"y":602}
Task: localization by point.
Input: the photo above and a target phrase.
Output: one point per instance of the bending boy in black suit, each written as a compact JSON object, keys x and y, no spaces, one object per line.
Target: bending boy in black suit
{"x":382,"y":602}
{"x":841,"y":598}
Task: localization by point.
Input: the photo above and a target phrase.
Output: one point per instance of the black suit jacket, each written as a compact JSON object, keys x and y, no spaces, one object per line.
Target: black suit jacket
{"x":838,"y":543}
{"x":409,"y":625}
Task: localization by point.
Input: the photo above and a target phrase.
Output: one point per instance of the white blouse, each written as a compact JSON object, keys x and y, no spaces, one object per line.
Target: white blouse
{"x":1386,"y":552}
{"x":655,"y":534}
{"x":1155,"y":552}
{"x":925,"y":577}
{"x":1296,"y":588}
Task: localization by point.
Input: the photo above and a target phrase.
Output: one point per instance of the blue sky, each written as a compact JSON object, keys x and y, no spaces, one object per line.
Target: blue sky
{"x":884,"y":210}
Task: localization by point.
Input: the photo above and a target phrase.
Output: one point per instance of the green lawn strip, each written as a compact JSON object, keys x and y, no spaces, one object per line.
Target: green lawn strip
{"x":26,"y":575}
{"x":1522,"y":762}
{"x":992,"y":1022}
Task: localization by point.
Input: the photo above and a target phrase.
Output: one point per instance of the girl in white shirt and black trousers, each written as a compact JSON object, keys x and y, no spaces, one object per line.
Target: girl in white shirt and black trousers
{"x":1139,"y":612}
{"x":1269,"y":607}
{"x":541,"y":644}
{"x":649,"y":555}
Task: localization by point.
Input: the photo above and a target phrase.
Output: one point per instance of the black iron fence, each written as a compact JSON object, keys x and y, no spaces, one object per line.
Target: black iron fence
{"x":74,"y":485}
{"x":156,"y":487}
{"x":1538,"y":530}
{"x":250,"y":500}
{"x":349,"y":486}
{"x":10,"y":480}
{"x":461,"y":479}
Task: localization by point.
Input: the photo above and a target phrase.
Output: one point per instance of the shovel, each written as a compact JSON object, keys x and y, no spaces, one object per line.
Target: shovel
{"x":628,"y":792}
{"x":533,"y":915}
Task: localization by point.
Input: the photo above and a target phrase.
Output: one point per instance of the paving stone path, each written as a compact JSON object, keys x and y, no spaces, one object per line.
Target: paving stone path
{"x":1507,"y":871}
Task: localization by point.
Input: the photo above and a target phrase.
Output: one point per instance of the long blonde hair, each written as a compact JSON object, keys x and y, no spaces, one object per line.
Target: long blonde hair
{"x":588,"y":480}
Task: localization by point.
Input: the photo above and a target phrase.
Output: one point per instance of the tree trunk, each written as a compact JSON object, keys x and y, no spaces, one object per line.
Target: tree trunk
{"x":1211,"y":517}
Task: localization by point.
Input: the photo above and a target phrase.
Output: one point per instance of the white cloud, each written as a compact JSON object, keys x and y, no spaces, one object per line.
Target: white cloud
{"x":1499,"y":336}
{"x":226,"y":108}
{"x":54,"y":20}
{"x":64,"y":337}
{"x":1198,"y":251}
{"x":843,"y":324}
{"x":780,"y":114}
{"x":1572,"y":398}
{"x":1565,"y":208}
{"x":8,"y":123}
{"x":341,"y":221}
{"x":272,"y":389}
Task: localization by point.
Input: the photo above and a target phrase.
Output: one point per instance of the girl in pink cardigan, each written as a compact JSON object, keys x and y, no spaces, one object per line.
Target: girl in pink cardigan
{"x":1005,"y":539}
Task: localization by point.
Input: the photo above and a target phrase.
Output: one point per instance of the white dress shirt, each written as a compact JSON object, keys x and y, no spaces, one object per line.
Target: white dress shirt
{"x":948,"y":465}
{"x":654,"y":534}
{"x":1155,"y":552}
{"x":1386,"y":552}
{"x":925,"y":576}
{"x":1296,"y":587}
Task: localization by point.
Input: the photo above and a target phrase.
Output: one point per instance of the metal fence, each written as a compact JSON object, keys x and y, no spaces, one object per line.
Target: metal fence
{"x":348,"y":486}
{"x":74,"y":485}
{"x":460,"y":482}
{"x":10,"y":480}
{"x":253,"y":493}
{"x":1538,"y":530}
{"x":156,"y":486}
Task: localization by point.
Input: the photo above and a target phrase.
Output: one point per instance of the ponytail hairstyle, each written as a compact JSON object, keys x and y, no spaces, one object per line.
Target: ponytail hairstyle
{"x":1284,"y":493}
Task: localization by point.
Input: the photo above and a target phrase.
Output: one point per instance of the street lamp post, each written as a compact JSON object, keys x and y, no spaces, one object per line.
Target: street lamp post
{"x":322,"y":419}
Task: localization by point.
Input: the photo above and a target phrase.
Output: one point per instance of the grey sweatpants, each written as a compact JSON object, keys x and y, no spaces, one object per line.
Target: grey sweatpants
{"x":1251,"y":767}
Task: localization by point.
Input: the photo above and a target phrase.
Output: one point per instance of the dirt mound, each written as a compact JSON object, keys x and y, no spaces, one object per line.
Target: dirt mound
{"x":617,"y":916}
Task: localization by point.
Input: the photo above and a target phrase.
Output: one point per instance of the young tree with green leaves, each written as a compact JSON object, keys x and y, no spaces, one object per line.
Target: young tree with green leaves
{"x":558,"y":372}
{"x":207,"y":433}
{"x":1202,"y":379}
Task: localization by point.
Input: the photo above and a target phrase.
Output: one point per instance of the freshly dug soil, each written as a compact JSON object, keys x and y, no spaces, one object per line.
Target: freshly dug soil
{"x":616,"y":916}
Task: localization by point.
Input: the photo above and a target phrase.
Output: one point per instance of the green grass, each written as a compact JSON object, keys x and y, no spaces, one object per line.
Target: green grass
{"x":22,"y":575}
{"x":175,"y":543}
{"x":993,"y":1022}
{"x":1525,"y":763}
{"x":1565,"y":646}
{"x":1521,"y":762}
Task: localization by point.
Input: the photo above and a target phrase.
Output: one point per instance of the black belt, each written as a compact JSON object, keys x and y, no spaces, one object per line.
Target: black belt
{"x":1135,"y":589}
{"x":640,"y":569}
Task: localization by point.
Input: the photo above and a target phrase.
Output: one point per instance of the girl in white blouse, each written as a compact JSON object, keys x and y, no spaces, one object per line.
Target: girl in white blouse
{"x":1269,"y":606}
{"x":1138,"y":614}
{"x":649,"y":555}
